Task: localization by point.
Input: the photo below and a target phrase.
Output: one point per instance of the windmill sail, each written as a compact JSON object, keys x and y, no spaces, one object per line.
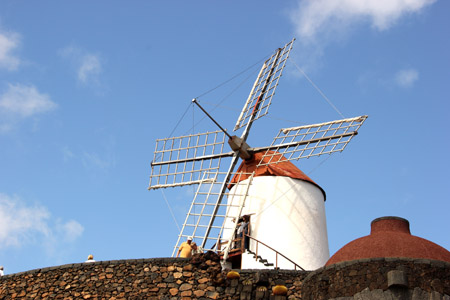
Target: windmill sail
{"x":260,"y":98}
{"x":183,"y":160}
{"x":311,"y":140}
{"x":205,"y":220}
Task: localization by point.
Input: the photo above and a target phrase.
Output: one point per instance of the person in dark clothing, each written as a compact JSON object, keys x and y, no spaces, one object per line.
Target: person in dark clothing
{"x":244,"y":231}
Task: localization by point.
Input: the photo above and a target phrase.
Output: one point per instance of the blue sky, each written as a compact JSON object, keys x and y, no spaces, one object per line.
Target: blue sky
{"x":86,"y":88}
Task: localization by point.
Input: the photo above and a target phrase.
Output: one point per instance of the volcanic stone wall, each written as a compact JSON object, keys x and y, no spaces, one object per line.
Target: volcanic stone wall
{"x":202,"y":278}
{"x":160,"y":278}
{"x":379,"y":276}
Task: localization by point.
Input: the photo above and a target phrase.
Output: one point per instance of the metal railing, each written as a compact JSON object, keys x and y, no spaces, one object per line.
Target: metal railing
{"x":277,"y":253}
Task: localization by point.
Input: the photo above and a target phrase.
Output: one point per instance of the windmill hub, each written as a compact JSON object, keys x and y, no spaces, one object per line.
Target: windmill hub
{"x":238,"y":144}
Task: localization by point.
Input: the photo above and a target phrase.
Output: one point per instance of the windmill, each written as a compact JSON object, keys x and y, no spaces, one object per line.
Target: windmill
{"x":199,"y":159}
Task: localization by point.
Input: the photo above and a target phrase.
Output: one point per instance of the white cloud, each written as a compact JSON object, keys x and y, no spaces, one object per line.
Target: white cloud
{"x":21,"y":224}
{"x":19,"y":102}
{"x":93,"y":160}
{"x":406,"y":78}
{"x":104,"y":161}
{"x":25,"y":101}
{"x":8,"y":43}
{"x":67,"y":154}
{"x":72,"y":230}
{"x":318,"y":17}
{"x":89,"y":69}
{"x":88,"y":66}
{"x":317,"y":23}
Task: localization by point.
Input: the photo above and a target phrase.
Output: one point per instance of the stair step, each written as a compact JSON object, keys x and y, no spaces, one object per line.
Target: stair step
{"x":260,"y":259}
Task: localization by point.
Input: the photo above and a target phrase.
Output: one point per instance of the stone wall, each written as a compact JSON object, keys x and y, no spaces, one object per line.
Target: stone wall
{"x":158,"y":278}
{"x":202,"y":278}
{"x":378,"y":274}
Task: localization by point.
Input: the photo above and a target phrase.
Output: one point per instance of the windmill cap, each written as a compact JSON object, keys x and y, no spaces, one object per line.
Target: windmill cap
{"x":263,"y":164}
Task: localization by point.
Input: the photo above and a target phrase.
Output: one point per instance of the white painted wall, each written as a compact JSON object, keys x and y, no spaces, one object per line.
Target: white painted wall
{"x":289,"y":216}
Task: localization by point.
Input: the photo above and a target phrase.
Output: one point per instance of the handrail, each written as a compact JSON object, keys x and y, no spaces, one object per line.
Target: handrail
{"x":276,"y":253}
{"x":241,"y":248}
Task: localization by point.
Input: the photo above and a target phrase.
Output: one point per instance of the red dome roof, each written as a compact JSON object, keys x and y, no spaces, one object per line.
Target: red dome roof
{"x":390,"y":237}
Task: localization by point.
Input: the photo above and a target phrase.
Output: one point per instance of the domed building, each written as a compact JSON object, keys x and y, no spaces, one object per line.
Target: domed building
{"x":390,"y":237}
{"x":389,"y":263}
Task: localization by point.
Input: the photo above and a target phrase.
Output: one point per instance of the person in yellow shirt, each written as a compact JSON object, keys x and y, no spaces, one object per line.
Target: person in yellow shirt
{"x":185,"y":248}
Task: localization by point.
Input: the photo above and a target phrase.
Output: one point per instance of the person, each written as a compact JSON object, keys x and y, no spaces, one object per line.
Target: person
{"x":196,"y":249}
{"x":1,"y":271}
{"x":185,"y":248}
{"x":244,"y":231}
{"x":90,"y":258}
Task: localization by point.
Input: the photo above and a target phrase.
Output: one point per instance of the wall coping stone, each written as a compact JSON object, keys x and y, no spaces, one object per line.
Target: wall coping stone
{"x":293,"y":272}
{"x":164,"y":260}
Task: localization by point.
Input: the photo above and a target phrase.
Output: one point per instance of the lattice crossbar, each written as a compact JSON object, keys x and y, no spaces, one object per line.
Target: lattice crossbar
{"x":206,"y":228}
{"x":311,"y":140}
{"x":182,"y":160}
{"x":263,"y":90}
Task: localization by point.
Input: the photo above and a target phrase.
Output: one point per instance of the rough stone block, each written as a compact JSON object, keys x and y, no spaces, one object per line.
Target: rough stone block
{"x":397,"y":278}
{"x":435,"y":296}
{"x":419,"y":294}
{"x":247,"y":288}
{"x":436,"y":284}
{"x":262,"y":278}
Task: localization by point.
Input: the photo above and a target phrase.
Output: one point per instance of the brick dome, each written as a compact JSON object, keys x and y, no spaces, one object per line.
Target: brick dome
{"x":390,"y":237}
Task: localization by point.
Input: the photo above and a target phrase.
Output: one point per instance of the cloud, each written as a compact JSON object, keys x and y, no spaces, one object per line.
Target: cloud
{"x":317,"y":23}
{"x":25,"y":101}
{"x":21,"y":224}
{"x":19,"y":102}
{"x":88,"y":66}
{"x":89,"y":69}
{"x":314,"y":17}
{"x":93,"y":160}
{"x":104,"y":157}
{"x":72,"y":230}
{"x":406,"y":78}
{"x":100,"y":159}
{"x":8,"y":43}
{"x":67,"y":154}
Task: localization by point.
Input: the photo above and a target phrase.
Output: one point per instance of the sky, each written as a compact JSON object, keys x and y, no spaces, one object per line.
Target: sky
{"x":87,"y":87}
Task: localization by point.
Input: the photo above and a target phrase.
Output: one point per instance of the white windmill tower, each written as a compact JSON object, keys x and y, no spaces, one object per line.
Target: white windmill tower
{"x":286,"y":208}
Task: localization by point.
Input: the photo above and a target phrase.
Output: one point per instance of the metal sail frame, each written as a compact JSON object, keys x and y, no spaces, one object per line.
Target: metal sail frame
{"x":256,"y":108}
{"x":203,"y":221}
{"x":196,"y":159}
